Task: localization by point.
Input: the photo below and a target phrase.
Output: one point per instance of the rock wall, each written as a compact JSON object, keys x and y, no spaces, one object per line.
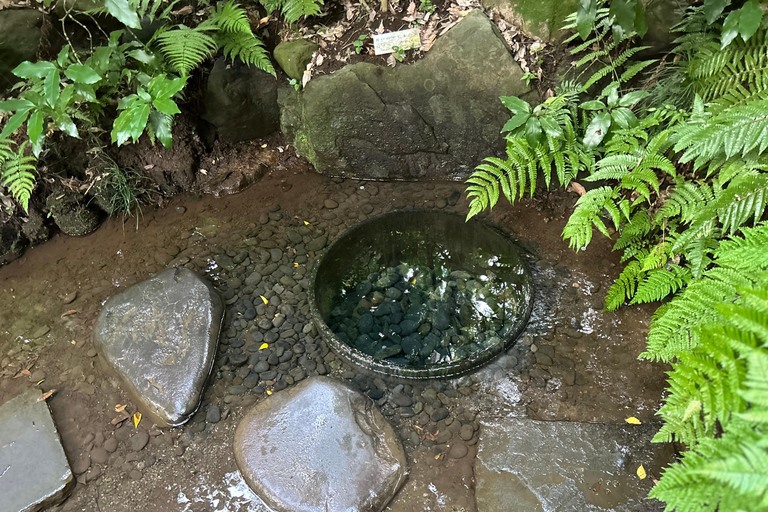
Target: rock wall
{"x":20,"y":34}
{"x":437,"y":117}
{"x":542,"y":19}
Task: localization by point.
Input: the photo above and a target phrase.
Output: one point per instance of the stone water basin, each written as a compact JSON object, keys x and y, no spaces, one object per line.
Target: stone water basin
{"x":421,"y":294}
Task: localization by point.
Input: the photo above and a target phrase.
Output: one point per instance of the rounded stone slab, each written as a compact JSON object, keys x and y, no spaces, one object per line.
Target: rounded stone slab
{"x":320,"y":447}
{"x":160,"y":335}
{"x":34,"y":472}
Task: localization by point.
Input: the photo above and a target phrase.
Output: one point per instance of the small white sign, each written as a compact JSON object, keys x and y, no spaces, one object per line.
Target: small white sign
{"x":402,"y":39}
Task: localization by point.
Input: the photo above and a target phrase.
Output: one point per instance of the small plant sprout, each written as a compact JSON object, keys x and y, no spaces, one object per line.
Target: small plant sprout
{"x":295,"y":83}
{"x":359,"y":43}
{"x":427,"y":6}
{"x":399,"y":53}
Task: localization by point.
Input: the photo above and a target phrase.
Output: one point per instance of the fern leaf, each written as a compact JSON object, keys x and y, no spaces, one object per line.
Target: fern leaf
{"x":295,"y":9}
{"x":186,"y":48}
{"x":16,"y":172}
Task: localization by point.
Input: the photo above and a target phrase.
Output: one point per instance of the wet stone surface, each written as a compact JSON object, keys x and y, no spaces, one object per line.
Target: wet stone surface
{"x":566,"y":466}
{"x":34,"y":472}
{"x":339,"y":451}
{"x":160,"y":335}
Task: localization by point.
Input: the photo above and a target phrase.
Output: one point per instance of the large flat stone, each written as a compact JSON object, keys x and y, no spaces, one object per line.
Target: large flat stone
{"x":161,"y":335}
{"x":34,"y":472}
{"x":320,"y":447}
{"x":437,"y":117}
{"x":541,"y":466}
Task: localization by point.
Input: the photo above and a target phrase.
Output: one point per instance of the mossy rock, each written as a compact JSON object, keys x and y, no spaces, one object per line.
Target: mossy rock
{"x":437,"y":117}
{"x":71,"y":213}
{"x":542,"y":19}
{"x":293,"y":56}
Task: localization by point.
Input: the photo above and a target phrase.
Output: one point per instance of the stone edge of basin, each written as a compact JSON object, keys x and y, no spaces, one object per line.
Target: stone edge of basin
{"x":375,"y":368}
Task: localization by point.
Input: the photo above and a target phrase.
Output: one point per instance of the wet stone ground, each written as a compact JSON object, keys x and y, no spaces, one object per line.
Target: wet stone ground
{"x":573,"y":362}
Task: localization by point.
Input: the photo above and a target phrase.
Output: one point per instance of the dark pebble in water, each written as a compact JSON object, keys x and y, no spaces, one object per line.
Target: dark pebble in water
{"x":238,"y":359}
{"x":375,"y":394}
{"x":237,"y":390}
{"x":261,"y":366}
{"x":390,"y":351}
{"x":139,"y":441}
{"x":440,"y":414}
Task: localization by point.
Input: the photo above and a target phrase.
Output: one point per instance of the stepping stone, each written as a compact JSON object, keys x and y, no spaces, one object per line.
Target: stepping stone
{"x":557,"y":466}
{"x":320,"y":447}
{"x":161,"y":335}
{"x":34,"y":472}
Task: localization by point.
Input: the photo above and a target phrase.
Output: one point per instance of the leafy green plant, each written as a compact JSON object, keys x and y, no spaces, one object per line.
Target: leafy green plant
{"x":398,"y":53}
{"x":145,"y":80}
{"x":684,"y":188}
{"x":16,"y":171}
{"x":359,"y":43}
{"x":427,"y":6}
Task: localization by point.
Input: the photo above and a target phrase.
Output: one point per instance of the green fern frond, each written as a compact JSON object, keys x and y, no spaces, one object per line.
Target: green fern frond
{"x":230,"y":17}
{"x":293,"y":10}
{"x":589,"y":208}
{"x":248,"y":48}
{"x":16,"y":172}
{"x":186,"y":48}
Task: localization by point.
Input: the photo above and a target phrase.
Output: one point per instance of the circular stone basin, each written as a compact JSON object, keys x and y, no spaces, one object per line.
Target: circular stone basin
{"x":421,"y":294}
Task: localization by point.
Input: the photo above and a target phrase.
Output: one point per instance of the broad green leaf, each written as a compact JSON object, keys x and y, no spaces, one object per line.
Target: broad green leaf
{"x":641,"y":23}
{"x":593,"y":105}
{"x":749,"y":19}
{"x":14,"y":122}
{"x":163,"y":88}
{"x":33,"y":69}
{"x":633,"y":97}
{"x":613,"y":96}
{"x":65,"y":97}
{"x":597,"y":129}
{"x":13,"y":105}
{"x":623,"y":12}
{"x":65,"y":124}
{"x":143,"y":94}
{"x":730,"y":29}
{"x":713,"y":9}
{"x":533,"y":131}
{"x":515,"y":104}
{"x":166,"y":106}
{"x":51,"y":87}
{"x":551,"y":127}
{"x":585,"y":17}
{"x":35,"y":126}
{"x":516,"y":122}
{"x":121,"y":10}
{"x":126,"y":102}
{"x":623,"y":117}
{"x":131,"y":122}
{"x":161,"y":124}
{"x":142,"y":56}
{"x":63,"y":56}
{"x":85,"y":92}
{"x":82,"y":74}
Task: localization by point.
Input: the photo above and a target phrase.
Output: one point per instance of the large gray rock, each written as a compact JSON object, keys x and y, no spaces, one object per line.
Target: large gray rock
{"x":240,"y":101}
{"x":558,"y":466}
{"x":34,"y":472}
{"x":20,"y":34}
{"x":320,"y":447}
{"x":437,"y":117}
{"x":161,"y":337}
{"x":12,"y":242}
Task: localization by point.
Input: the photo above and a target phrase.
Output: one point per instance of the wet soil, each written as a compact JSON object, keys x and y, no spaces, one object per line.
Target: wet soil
{"x":574,"y":362}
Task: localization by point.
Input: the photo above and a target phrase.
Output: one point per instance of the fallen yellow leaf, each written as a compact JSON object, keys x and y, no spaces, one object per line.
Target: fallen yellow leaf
{"x":39,"y":382}
{"x":269,"y":392}
{"x":263,"y":346}
{"x":641,"y":472}
{"x":633,"y":421}
{"x":73,"y":342}
{"x":264,"y":299}
{"x":136,"y":420}
{"x":306,"y":223}
{"x":296,"y":265}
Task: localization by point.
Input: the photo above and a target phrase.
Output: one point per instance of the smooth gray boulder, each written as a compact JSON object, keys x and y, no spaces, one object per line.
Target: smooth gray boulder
{"x":437,"y":117}
{"x":161,"y":336}
{"x":320,"y":447}
{"x":240,"y":101}
{"x":34,"y":472}
{"x":560,"y":466}
{"x":20,"y":35}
